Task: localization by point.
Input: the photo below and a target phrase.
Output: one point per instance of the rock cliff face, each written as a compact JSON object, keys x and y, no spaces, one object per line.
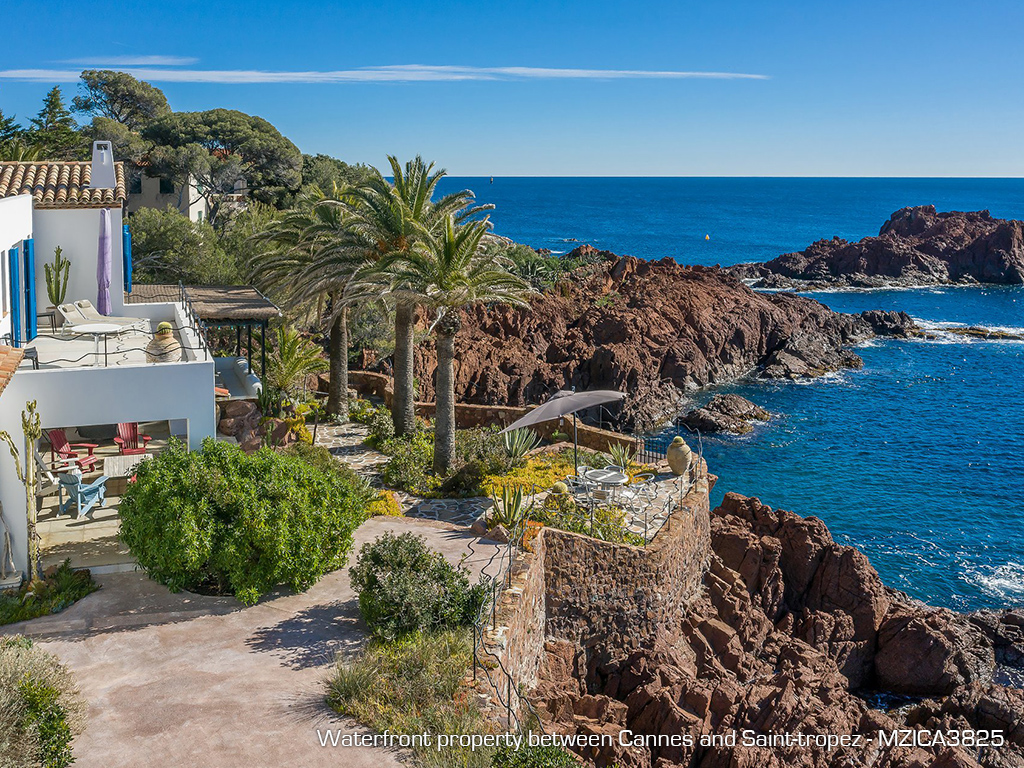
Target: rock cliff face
{"x":916,"y":246}
{"x":652,"y":329}
{"x":790,"y":627}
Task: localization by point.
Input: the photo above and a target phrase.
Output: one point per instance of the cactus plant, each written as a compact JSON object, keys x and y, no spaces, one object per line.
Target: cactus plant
{"x":57,"y":275}
{"x":621,"y":454}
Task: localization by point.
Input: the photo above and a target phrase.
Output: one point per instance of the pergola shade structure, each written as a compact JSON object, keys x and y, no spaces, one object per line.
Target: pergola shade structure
{"x":241,"y":307}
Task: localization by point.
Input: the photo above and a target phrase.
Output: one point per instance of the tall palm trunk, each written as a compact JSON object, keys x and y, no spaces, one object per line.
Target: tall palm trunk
{"x":403,"y":405}
{"x":444,"y":396}
{"x":337,"y":387}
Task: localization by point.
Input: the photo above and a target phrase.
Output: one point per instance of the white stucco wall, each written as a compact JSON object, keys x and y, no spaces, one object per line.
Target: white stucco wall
{"x":180,"y":392}
{"x":15,"y":227}
{"x":77,"y":232}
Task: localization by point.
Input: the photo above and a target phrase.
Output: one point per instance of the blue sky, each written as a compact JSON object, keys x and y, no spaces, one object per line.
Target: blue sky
{"x":571,"y":88}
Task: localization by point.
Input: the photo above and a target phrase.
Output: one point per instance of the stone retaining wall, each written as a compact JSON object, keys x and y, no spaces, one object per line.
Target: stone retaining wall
{"x":597,"y":595}
{"x":468,"y":415}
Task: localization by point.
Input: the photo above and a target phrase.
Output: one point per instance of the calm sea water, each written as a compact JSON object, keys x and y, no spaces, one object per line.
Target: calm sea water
{"x":918,"y":459}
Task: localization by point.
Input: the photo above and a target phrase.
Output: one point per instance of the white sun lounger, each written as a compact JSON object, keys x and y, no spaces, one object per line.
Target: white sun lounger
{"x":82,"y":312}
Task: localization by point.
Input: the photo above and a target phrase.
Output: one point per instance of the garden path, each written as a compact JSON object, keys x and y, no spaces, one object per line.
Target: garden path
{"x":193,"y":680}
{"x":348,"y":443}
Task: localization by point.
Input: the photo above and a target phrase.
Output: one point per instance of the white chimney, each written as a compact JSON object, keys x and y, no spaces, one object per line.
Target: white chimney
{"x":102,"y":166}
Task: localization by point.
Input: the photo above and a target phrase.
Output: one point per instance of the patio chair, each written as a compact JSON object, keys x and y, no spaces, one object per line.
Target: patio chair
{"x":85,"y":497}
{"x":92,"y":315}
{"x":129,"y":437}
{"x":48,"y":482}
{"x":60,"y":447}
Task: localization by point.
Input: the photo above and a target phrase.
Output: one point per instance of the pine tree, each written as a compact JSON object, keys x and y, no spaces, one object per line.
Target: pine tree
{"x":9,"y":128}
{"x":54,"y":130}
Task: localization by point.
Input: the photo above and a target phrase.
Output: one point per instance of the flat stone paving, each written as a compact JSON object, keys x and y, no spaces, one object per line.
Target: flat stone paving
{"x":348,"y":443}
{"x":192,"y":680}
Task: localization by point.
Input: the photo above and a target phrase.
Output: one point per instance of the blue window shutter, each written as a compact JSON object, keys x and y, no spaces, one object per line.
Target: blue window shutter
{"x":126,"y":252}
{"x":31,"y":329}
{"x":12,"y":256}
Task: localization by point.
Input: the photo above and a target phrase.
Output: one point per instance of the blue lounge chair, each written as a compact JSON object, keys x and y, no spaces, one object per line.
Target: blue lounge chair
{"x":85,"y":497}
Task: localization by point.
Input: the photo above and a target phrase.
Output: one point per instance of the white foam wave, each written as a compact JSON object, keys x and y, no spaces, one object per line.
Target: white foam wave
{"x":1004,"y":581}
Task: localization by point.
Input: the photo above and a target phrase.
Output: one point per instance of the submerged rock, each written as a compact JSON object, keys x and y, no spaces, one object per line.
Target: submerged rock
{"x":916,"y":246}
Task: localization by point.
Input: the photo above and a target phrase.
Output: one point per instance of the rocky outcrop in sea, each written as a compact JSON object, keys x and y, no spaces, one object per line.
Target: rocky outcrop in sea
{"x":793,"y":633}
{"x":916,"y":246}
{"x":656,"y":330}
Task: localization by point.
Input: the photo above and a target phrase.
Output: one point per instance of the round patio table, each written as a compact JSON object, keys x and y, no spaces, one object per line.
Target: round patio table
{"x":608,"y":478}
{"x":97,"y":330}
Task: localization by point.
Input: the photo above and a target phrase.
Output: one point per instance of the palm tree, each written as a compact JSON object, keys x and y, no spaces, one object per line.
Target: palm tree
{"x":315,"y":255}
{"x":294,"y":359}
{"x":449,"y":271}
{"x":393,"y":219}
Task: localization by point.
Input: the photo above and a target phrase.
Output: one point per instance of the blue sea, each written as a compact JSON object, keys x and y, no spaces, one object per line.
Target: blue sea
{"x":918,"y":459}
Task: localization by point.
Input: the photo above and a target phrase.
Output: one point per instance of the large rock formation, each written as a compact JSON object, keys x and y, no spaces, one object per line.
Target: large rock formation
{"x":916,"y":246}
{"x":652,"y":329}
{"x":794,"y":634}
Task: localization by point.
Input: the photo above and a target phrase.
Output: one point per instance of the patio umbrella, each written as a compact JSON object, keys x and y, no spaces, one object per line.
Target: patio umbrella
{"x":562,"y":403}
{"x":103,"y":259}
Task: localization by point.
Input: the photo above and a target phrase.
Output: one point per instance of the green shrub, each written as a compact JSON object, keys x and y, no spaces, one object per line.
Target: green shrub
{"x":224,"y":520}
{"x":51,"y":595}
{"x":520,"y":442}
{"x":360,"y":410}
{"x":533,"y":757}
{"x":40,"y":707}
{"x":414,"y":686}
{"x":382,"y":426}
{"x":321,"y":459}
{"x":409,"y":467}
{"x":405,"y":587}
{"x":607,"y":523}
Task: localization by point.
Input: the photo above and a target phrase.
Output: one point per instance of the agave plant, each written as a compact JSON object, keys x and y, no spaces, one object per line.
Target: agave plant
{"x":508,"y":510}
{"x":520,"y":442}
{"x":621,"y":454}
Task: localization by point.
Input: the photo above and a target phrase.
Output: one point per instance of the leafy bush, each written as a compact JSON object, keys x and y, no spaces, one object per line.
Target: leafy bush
{"x":414,"y":686}
{"x":533,"y":757}
{"x":51,"y":595}
{"x":410,"y":462}
{"x":321,"y":459}
{"x":40,"y":707}
{"x":386,"y":504}
{"x":382,"y":426}
{"x":360,"y":410}
{"x":405,"y":587}
{"x":224,"y":520}
{"x":606,"y":523}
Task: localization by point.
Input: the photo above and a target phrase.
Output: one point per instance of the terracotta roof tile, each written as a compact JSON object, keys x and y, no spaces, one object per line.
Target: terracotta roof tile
{"x":10,"y":359}
{"x":59,"y":184}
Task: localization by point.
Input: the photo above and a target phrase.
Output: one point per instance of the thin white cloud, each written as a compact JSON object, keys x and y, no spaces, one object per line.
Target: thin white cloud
{"x":115,"y":62}
{"x":399,"y":73}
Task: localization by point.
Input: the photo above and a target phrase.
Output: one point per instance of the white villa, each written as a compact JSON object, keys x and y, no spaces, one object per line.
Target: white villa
{"x":89,"y":375}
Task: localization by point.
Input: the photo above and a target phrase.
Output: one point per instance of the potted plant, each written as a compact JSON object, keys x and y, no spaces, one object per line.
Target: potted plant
{"x":57,"y":275}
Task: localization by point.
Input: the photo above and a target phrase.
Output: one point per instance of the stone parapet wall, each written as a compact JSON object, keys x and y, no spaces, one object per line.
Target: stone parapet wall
{"x":616,"y":596}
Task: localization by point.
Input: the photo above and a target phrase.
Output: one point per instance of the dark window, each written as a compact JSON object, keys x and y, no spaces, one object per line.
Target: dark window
{"x":135,"y":187}
{"x":166,"y":187}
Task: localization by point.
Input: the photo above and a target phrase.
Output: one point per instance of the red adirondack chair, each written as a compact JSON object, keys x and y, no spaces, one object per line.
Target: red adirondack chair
{"x":128,"y":439}
{"x":61,"y":449}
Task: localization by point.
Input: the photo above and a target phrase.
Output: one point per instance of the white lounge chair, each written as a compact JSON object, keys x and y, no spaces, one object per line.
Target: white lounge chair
{"x":83,"y":312}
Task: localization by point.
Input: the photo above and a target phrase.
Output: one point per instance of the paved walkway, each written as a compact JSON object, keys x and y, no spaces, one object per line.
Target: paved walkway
{"x":348,"y":443}
{"x":190,"y":680}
